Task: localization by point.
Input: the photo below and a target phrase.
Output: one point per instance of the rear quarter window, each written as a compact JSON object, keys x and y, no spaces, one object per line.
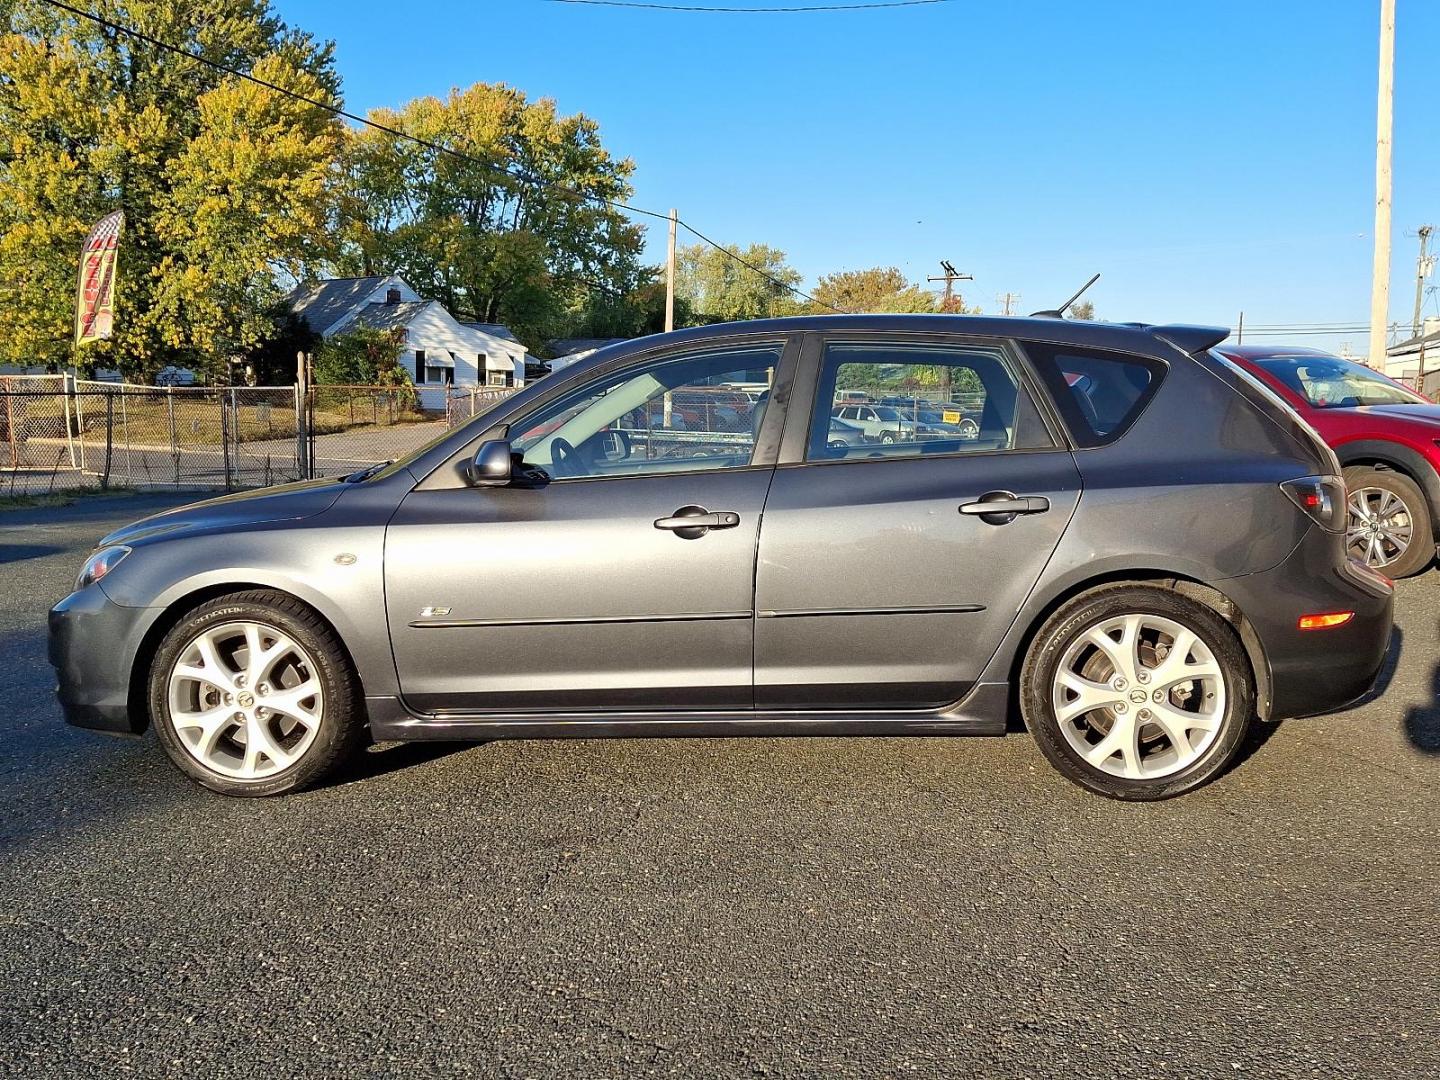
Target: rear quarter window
{"x":1099,"y":393}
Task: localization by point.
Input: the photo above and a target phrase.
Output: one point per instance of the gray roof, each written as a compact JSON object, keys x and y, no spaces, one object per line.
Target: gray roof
{"x":388,"y":316}
{"x":566,"y":346}
{"x":494,"y":329}
{"x":325,"y":303}
{"x":1430,"y":339}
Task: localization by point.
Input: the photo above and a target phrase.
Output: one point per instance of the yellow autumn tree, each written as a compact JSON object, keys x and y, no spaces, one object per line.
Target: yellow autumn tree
{"x":223,"y":182}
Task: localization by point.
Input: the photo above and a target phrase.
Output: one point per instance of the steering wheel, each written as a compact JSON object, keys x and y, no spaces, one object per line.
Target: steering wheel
{"x":563,"y":458}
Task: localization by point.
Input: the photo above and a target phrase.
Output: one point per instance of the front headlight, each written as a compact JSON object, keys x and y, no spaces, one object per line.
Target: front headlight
{"x":100,"y":564}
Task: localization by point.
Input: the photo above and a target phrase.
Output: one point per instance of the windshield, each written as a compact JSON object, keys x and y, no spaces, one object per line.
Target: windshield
{"x":1328,"y":382}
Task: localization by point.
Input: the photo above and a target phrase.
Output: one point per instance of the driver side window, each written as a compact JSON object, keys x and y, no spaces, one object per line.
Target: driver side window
{"x":673,"y":414}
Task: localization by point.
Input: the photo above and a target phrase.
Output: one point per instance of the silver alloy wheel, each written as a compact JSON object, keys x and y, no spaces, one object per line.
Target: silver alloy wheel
{"x":1380,"y":528}
{"x":1139,"y":696}
{"x":245,"y":700}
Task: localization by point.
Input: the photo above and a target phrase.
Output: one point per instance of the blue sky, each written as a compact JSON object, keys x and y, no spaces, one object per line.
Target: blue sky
{"x":1206,"y":158}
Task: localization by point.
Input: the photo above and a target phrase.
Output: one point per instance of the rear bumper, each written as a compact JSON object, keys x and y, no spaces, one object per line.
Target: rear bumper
{"x":1316,"y":671}
{"x":92,"y":642}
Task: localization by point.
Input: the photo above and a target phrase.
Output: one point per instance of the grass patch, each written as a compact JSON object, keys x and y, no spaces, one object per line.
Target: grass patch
{"x":144,"y":419}
{"x":57,"y":498}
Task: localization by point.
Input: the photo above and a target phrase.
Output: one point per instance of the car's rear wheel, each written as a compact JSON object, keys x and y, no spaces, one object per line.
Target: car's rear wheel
{"x":252,"y":694}
{"x":1136,"y":692}
{"x":1389,"y":521}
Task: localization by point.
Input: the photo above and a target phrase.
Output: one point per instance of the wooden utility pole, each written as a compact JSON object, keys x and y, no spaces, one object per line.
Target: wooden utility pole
{"x":1240,"y":330}
{"x":1009,"y":301}
{"x":670,"y":274}
{"x":1422,"y":271}
{"x":949,"y":277}
{"x":1384,"y":131}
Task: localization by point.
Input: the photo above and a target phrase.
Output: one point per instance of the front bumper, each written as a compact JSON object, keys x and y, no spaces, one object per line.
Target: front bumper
{"x":1317,"y":671}
{"x":92,"y":645}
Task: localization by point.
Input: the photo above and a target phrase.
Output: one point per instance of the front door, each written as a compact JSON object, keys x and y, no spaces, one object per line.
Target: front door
{"x":883,"y":580}
{"x":594,"y":591}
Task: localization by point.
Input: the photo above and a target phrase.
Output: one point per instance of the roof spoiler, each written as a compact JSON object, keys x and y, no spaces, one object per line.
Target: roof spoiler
{"x":1191,"y":339}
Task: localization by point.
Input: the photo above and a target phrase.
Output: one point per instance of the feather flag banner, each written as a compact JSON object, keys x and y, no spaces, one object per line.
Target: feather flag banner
{"x":95,"y":298}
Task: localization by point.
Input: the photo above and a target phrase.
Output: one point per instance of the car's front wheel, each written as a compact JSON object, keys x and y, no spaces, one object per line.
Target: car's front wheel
{"x":252,"y":694}
{"x":1389,"y":521}
{"x":1137,"y":692}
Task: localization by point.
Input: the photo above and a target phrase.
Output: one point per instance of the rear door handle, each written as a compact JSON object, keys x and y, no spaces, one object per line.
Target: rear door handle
{"x":693,"y":522}
{"x":1003,"y":507}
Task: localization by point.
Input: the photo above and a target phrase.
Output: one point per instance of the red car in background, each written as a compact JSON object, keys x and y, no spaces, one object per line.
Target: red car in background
{"x":1386,"y":436}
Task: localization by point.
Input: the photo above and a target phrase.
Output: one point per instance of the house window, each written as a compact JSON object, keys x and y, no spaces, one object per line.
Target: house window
{"x":498,"y":378}
{"x":420,"y":366}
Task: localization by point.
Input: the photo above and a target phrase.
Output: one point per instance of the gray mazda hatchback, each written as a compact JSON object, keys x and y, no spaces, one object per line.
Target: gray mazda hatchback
{"x":1109,"y":531}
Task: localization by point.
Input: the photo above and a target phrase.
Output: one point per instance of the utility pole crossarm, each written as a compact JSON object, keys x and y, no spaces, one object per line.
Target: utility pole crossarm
{"x":949,"y":277}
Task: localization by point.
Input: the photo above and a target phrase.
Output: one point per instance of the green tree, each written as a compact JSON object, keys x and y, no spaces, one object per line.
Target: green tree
{"x":1083,"y":310}
{"x":362,"y":357}
{"x":641,"y":310}
{"x":878,"y":289}
{"x":482,"y":233}
{"x":223,"y":182}
{"x":717,"y":288}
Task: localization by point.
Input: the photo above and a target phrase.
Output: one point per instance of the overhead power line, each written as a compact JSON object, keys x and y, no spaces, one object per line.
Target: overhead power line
{"x":440,"y":148}
{"x":870,"y":5}
{"x":763,"y":273}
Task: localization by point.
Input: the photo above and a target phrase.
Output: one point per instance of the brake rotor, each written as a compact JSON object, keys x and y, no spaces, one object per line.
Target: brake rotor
{"x":1098,"y":668}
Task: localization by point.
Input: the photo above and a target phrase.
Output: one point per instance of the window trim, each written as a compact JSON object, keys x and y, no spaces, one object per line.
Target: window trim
{"x":796,"y":440}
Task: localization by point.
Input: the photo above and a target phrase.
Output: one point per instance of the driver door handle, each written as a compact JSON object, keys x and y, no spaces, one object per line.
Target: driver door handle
{"x":724,"y":519}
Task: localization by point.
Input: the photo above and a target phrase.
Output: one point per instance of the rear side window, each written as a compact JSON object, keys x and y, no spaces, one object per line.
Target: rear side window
{"x":1099,"y":394}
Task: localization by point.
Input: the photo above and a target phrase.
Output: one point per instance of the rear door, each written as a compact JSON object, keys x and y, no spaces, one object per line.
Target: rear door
{"x":883,"y":580}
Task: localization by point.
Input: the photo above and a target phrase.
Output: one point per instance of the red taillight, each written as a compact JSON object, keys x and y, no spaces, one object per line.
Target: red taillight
{"x":1321,"y":497}
{"x":1326,"y":621}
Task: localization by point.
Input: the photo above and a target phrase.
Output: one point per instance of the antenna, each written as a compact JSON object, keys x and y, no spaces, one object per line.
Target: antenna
{"x":1059,"y":313}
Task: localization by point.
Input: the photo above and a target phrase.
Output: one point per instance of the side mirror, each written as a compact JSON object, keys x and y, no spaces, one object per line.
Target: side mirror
{"x":491,"y":465}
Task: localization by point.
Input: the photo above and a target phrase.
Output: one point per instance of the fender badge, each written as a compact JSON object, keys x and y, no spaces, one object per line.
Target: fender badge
{"x":345,"y":559}
{"x":427,"y":612}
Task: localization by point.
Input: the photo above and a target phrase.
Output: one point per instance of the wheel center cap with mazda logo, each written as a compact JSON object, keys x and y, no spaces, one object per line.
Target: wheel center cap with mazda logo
{"x":246,"y":699}
{"x":1138,"y":696}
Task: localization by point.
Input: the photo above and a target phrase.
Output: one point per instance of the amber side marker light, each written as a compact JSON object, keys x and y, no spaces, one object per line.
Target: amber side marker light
{"x":1326,"y":621}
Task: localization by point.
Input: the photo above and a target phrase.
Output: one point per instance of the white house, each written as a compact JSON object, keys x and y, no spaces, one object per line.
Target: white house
{"x":1402,"y":361}
{"x":439,"y":350}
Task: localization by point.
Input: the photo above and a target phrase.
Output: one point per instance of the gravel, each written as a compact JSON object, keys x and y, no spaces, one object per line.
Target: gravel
{"x":703,"y":908}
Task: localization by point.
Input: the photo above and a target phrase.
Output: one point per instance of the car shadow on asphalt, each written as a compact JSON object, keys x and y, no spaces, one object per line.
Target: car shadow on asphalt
{"x":1422,"y":722}
{"x":12,"y":553}
{"x":381,"y":759}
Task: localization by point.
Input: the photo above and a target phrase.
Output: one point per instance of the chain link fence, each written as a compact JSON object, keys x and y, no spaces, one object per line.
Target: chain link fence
{"x":463,"y":403}
{"x":58,"y":433}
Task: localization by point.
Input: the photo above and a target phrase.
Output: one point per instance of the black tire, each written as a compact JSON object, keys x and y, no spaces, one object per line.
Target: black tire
{"x":1421,"y":552}
{"x":888,"y":438}
{"x":1067,"y":626}
{"x":341,"y":729}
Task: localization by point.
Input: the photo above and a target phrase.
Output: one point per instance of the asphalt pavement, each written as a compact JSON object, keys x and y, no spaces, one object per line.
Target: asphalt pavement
{"x":712,"y":908}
